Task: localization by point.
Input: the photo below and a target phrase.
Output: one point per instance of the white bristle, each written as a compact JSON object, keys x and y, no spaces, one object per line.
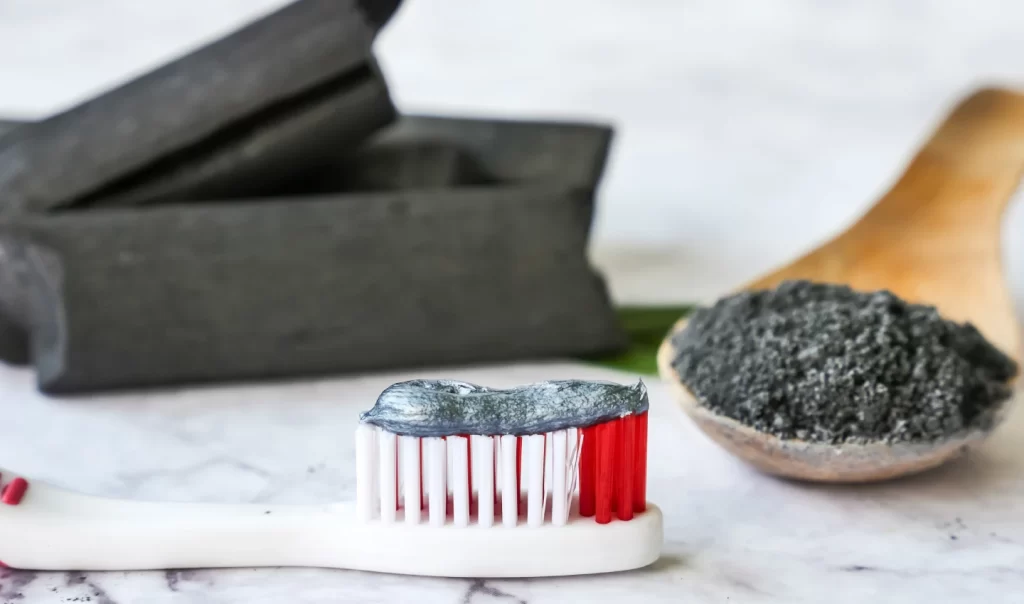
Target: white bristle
{"x":498,"y":480}
{"x":559,"y":486}
{"x":437,"y":465}
{"x":366,"y":471}
{"x":483,"y":478}
{"x":411,"y":478}
{"x":548,"y":460}
{"x":509,"y":490}
{"x":533,"y":468}
{"x":388,"y":473}
{"x":424,"y":474}
{"x":476,"y":465}
{"x":548,"y":472}
{"x":458,"y":453}
{"x":573,"y":447}
{"x":449,"y":467}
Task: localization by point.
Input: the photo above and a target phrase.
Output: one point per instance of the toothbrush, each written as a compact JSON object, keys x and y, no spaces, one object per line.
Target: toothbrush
{"x":452,"y":480}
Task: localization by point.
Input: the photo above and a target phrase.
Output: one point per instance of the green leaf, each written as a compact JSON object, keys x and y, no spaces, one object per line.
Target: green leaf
{"x":646,"y":327}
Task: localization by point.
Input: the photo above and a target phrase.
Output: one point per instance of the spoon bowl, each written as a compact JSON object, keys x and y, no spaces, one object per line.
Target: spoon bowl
{"x":934,"y":238}
{"x":818,"y":462}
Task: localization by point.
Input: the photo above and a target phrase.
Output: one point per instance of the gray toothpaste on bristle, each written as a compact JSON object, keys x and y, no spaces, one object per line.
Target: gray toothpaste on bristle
{"x":431,"y":408}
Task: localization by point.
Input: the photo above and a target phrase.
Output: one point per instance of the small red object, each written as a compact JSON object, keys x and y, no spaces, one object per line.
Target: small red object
{"x":640,"y":463}
{"x":588,"y":470}
{"x":3,"y":564}
{"x":14,"y":491}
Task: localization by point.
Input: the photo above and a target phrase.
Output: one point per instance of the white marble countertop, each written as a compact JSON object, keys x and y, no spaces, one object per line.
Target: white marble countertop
{"x":747,"y":132}
{"x":953,"y":535}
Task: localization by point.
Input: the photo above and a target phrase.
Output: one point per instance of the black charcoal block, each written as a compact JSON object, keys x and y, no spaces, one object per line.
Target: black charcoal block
{"x":279,"y":149}
{"x":8,"y":125}
{"x":423,"y":151}
{"x":275,"y":92}
{"x":400,"y":167}
{"x":570,"y":153}
{"x":311,"y":286}
{"x":13,"y":339}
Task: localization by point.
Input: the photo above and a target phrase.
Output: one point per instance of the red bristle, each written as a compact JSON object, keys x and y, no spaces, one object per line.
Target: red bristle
{"x":640,"y":463}
{"x":3,"y":564}
{"x":627,"y":467}
{"x":607,"y":437}
{"x":616,"y":464}
{"x":519,"y":473}
{"x":14,"y":491}
{"x":588,"y":470}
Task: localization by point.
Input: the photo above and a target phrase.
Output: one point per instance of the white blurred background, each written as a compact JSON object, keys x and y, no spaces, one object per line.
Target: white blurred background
{"x":748,"y":130}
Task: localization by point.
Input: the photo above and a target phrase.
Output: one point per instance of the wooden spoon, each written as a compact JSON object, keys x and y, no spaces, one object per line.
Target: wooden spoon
{"x":934,"y":238}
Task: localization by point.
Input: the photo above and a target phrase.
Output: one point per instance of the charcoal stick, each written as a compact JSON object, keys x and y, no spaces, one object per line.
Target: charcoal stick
{"x":311,"y":286}
{"x":208,"y":105}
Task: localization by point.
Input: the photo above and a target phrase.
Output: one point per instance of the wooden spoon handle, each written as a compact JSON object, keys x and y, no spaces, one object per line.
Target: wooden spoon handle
{"x":934,"y":237}
{"x":968,"y":169}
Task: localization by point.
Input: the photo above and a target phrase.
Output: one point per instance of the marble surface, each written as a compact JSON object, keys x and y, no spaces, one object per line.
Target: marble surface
{"x":748,"y":131}
{"x":953,"y":535}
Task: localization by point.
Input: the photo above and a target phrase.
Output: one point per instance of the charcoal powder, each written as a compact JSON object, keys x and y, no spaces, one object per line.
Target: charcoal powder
{"x":826,"y":363}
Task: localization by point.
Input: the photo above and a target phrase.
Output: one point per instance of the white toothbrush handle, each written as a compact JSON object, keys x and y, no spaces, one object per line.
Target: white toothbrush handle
{"x":52,"y":529}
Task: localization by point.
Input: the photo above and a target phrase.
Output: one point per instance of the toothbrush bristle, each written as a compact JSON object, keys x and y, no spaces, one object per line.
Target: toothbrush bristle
{"x":607,"y":434}
{"x":559,"y":488}
{"x":458,"y":453}
{"x":484,"y":451}
{"x":469,"y":468}
{"x":509,"y":481}
{"x":437,"y":503}
{"x":412,"y":469}
{"x":588,"y":471}
{"x":467,"y":478}
{"x":519,"y":472}
{"x":624,"y":476}
{"x":388,"y":477}
{"x":640,"y":463}
{"x":535,"y":494}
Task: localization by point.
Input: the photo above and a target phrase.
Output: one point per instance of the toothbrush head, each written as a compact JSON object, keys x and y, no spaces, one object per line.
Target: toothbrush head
{"x":449,"y":454}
